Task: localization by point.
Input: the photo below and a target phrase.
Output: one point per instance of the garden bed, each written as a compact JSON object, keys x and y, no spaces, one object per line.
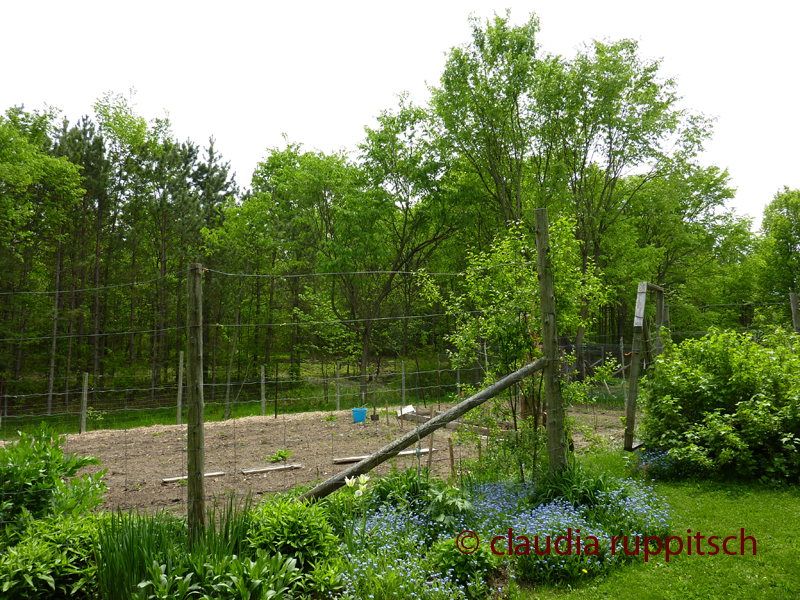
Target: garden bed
{"x":138,"y":459}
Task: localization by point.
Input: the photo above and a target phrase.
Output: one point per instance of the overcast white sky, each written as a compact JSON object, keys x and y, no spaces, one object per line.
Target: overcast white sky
{"x":247,"y":72}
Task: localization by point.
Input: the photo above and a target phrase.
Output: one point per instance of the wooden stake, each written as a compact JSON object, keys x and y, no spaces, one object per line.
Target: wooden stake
{"x":180,"y":387}
{"x":420,"y":387}
{"x":196,"y":453}
{"x":84,"y":403}
{"x":263,"y":390}
{"x":271,"y":469}
{"x":403,"y":382}
{"x":338,"y":377}
{"x":182,"y":477}
{"x":430,"y":454}
{"x":438,"y":382}
{"x":452,"y":459}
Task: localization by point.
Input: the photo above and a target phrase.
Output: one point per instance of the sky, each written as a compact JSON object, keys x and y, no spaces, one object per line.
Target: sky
{"x":248,"y":73}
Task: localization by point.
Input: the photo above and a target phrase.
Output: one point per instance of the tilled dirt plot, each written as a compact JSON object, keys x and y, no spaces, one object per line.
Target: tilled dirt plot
{"x":137,"y":460}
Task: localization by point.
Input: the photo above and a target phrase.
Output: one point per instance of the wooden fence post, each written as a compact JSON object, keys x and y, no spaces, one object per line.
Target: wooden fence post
{"x":195,"y":445}
{"x":338,"y":393}
{"x":263,"y":391}
{"x":84,"y":403}
{"x":636,"y":361}
{"x":556,"y":437}
{"x":277,"y":363}
{"x":180,"y":387}
{"x":403,"y":382}
{"x":795,"y":312}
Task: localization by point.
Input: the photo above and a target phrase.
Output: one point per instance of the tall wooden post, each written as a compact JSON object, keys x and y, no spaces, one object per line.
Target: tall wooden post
{"x":636,"y":362}
{"x":795,"y":312}
{"x":180,"y":387}
{"x":195,"y":445}
{"x":556,"y":437}
{"x":263,"y":390}
{"x":84,"y":403}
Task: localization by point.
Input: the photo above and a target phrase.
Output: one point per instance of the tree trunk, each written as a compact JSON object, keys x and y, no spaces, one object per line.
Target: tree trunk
{"x":96,"y":322}
{"x":267,"y":356}
{"x":54,"y":344}
{"x":230,"y":362}
{"x":365,"y":339}
{"x":68,"y":366}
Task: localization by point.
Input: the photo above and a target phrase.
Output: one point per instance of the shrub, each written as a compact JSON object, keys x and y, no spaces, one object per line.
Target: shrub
{"x":727,"y":404}
{"x":32,"y":474}
{"x":296,"y":529}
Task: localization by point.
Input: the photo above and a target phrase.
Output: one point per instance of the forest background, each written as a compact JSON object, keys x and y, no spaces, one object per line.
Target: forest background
{"x":401,"y":247}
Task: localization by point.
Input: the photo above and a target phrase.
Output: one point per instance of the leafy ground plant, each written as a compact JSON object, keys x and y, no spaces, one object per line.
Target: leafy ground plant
{"x":299,"y":530}
{"x":37,"y":479}
{"x":280,"y":456}
{"x":53,"y":558}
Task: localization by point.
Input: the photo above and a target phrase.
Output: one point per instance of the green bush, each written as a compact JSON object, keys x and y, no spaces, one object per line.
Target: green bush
{"x":53,"y":558}
{"x":727,"y":404}
{"x":32,"y":474}
{"x":295,"y":529}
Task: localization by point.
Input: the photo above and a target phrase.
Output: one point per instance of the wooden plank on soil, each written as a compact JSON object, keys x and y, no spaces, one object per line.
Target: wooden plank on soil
{"x":272,"y":468}
{"x":182,"y":477}
{"x":351,"y":459}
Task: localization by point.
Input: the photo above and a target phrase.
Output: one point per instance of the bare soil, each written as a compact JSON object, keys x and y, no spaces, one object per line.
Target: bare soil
{"x":137,"y":460}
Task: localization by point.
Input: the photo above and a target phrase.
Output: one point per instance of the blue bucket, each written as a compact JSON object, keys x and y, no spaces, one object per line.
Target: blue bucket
{"x":359,"y":415}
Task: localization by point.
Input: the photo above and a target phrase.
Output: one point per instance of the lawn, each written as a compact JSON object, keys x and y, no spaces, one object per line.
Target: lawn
{"x":771,"y":515}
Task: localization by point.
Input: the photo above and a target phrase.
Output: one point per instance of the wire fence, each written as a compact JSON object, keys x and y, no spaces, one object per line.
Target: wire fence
{"x":271,"y":423}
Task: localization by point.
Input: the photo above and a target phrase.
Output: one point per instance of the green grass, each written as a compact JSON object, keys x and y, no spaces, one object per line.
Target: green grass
{"x":301,"y":397}
{"x":308,"y":394}
{"x":770,"y":515}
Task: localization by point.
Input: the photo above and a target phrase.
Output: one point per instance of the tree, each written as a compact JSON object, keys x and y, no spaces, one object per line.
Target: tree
{"x":486,"y":110}
{"x":391,"y":223}
{"x":780,"y":248}
{"x":37,"y":192}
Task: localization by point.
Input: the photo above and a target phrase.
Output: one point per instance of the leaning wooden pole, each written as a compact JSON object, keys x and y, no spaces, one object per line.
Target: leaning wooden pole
{"x":195,"y":435}
{"x":795,"y":312}
{"x":556,"y":436}
{"x":418,"y":433}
